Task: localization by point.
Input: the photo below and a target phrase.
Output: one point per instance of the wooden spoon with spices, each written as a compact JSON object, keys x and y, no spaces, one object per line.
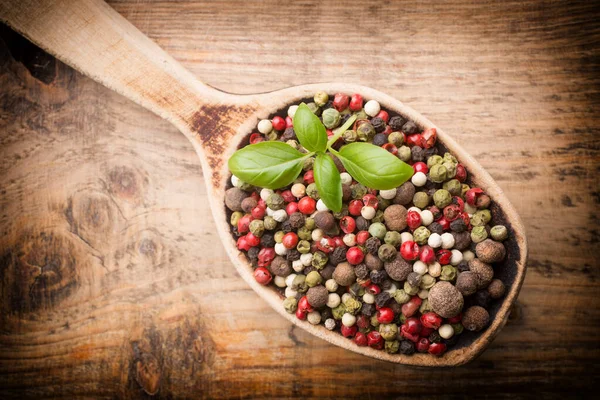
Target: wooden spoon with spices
{"x":95,"y":40}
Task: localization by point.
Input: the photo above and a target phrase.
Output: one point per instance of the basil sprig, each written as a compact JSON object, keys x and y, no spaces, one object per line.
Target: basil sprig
{"x":275,"y":164}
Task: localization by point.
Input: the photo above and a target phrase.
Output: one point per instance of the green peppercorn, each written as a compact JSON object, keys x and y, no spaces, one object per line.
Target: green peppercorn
{"x":290,"y":305}
{"x":421,"y":200}
{"x":382,"y":205}
{"x":303,"y":246}
{"x":402,"y":319}
{"x":448,"y":273}
{"x":257,"y":227}
{"x":358,"y":191}
{"x":450,"y":168}
{"x":427,"y":282}
{"x":396,"y":138}
{"x":392,"y":347}
{"x":310,"y":223}
{"x":293,"y":143}
{"x":434,"y":160}
{"x":499,"y":233}
{"x":361,"y":114}
{"x":478,"y":234}
{"x":270,"y":223}
{"x":404,"y":153}
{"x":299,"y":283}
{"x":387,"y":252}
{"x":401,"y":296}
{"x":464,"y":189}
{"x":377,"y":230}
{"x":304,"y":233}
{"x":481,"y":218}
{"x":313,"y":279}
{"x":388,"y":331}
{"x":425,"y":306}
{"x":279,"y":236}
{"x":421,"y":234}
{"x":319,"y":260}
{"x":235,"y":218}
{"x":331,"y":118}
{"x":366,"y":132}
{"x":448,"y":157}
{"x":314,"y":108}
{"x":339,"y":311}
{"x":392,"y":238}
{"x":271,"y":136}
{"x":438,"y":173}
{"x":246,"y":187}
{"x":312,"y":191}
{"x":275,"y":202}
{"x":453,"y":186}
{"x":458,"y":328}
{"x":442,"y":198}
{"x":350,"y":136}
{"x":309,"y":163}
{"x":378,"y":218}
{"x":352,"y":305}
{"x":411,"y":290}
{"x":375,"y":321}
{"x":321,"y":98}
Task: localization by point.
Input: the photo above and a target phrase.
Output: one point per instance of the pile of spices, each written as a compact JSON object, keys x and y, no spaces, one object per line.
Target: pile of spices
{"x":401,"y":270}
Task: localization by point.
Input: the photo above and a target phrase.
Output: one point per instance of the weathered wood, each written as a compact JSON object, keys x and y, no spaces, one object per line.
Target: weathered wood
{"x":517,"y":85}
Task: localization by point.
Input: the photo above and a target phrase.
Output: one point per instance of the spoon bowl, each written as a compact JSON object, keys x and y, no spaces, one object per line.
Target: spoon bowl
{"x":94,"y":39}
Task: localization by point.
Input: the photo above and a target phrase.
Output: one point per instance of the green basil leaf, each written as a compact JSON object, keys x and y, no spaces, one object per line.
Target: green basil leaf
{"x":309,"y":129}
{"x":328,"y":181}
{"x":373,"y":166}
{"x":267,"y":164}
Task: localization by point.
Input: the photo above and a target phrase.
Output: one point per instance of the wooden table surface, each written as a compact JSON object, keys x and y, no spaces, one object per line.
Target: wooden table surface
{"x":108,"y":254}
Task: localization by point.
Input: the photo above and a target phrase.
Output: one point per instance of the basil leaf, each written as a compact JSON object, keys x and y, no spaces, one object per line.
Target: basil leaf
{"x":309,"y":129}
{"x":373,"y":166}
{"x":267,"y":164}
{"x":328,"y":181}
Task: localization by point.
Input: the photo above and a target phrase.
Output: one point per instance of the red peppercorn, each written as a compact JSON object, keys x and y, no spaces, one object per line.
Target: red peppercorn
{"x":461,"y":173}
{"x":339,"y":241}
{"x":256,"y":138}
{"x":437,"y":349}
{"x":290,"y":240}
{"x":425,"y":332}
{"x":411,"y":307}
{"x":437,"y":213}
{"x":444,"y":256}
{"x":373,"y":289}
{"x":451,"y":212}
{"x":262,"y":203}
{"x":423,"y":345}
{"x":244,"y":223}
{"x":309,"y":177}
{"x":288,"y":196}
{"x":465,"y":217}
{"x":420,"y":166}
{"x":326,"y":245}
{"x":390,"y":148}
{"x":265,"y":256}
{"x":427,"y":254}
{"x":304,"y":305}
{"x":242,"y":243}
{"x":289,"y":122}
{"x":387,"y":130}
{"x":385,"y":315}
{"x":307,"y":205}
{"x":278,"y":123}
{"x":300,"y":314}
{"x":431,"y":320}
{"x":370,"y":200}
{"x":472,"y":195}
{"x":413,"y":325}
{"x":409,"y":250}
{"x":375,"y":340}
{"x":258,"y":212}
{"x":413,"y":219}
{"x":444,"y":223}
{"x":356,"y":102}
{"x":404,"y":332}
{"x":348,"y":331}
{"x":252,"y":240}
{"x":262,"y":275}
{"x":362,"y":236}
{"x":360,"y":339}
{"x":456,"y":319}
{"x":384,"y":116}
{"x":348,"y":224}
{"x":363,"y":321}
{"x":429,"y":137}
{"x":354,"y":207}
{"x":459,"y":202}
{"x":291,"y":208}
{"x":355,"y":255}
{"x":415,"y":140}
{"x":340,"y":101}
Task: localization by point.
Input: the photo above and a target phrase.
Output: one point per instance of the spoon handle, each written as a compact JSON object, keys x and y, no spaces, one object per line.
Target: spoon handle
{"x":96,"y":40}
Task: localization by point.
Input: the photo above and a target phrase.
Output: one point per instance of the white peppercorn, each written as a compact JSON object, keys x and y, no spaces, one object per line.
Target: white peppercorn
{"x":333,"y":300}
{"x":419,"y":179}
{"x":372,"y":108}
{"x":330,"y":324}
{"x":331,"y":285}
{"x":314,"y":317}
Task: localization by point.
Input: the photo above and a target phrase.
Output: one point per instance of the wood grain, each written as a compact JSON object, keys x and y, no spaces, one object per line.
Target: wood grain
{"x":104,"y":291}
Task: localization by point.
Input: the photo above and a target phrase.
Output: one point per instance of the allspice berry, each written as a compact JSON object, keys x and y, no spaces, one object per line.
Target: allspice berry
{"x":344,"y":274}
{"x":484,"y":272}
{"x":317,"y":296}
{"x":490,"y":251}
{"x":280,"y":266}
{"x":496,"y":289}
{"x":398,"y":269}
{"x":475,"y":318}
{"x":248,"y":204}
{"x":324,"y":220}
{"x":395,"y":217}
{"x":234,"y":198}
{"x":404,"y":194}
{"x":466,"y":283}
{"x":462,"y":240}
{"x":445,"y":299}
{"x":373,"y":262}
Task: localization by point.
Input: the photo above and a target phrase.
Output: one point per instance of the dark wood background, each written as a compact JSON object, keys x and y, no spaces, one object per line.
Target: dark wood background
{"x":103,"y":207}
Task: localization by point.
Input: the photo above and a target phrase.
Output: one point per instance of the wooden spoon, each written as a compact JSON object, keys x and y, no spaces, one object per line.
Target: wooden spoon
{"x":94,"y":39}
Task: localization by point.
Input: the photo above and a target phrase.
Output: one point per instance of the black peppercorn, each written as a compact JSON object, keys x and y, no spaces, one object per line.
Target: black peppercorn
{"x":410,"y":127}
{"x":308,"y":270}
{"x":297,"y":220}
{"x":414,"y":279}
{"x":368,"y":309}
{"x":382,"y":298}
{"x":379,"y":125}
{"x":326,"y":313}
{"x":378,"y":276}
{"x":292,"y":255}
{"x":253,"y":253}
{"x":354,"y":289}
{"x":458,"y":225}
{"x":327,"y":272}
{"x":386,"y":285}
{"x":463,"y":266}
{"x":267,"y":240}
{"x":417,"y":153}
{"x":346,"y":193}
{"x":361,"y":224}
{"x":286,"y":226}
{"x":482,"y":298}
{"x":435,"y":337}
{"x":435,"y":227}
{"x":372,"y":244}
{"x":407,"y":347}
{"x":397,"y":122}
{"x":380,"y":139}
{"x":452,"y":341}
{"x":338,"y":255}
{"x":430,"y":152}
{"x":361,"y":271}
{"x":288,"y":134}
